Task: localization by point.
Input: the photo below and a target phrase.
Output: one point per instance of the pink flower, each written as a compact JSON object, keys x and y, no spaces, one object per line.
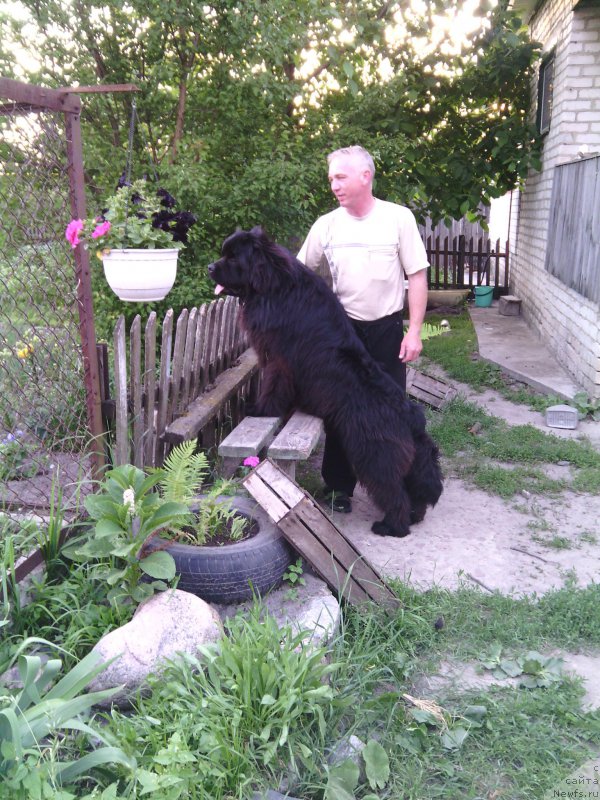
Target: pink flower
{"x":101,"y":230}
{"x":251,"y":461}
{"x":74,"y":228}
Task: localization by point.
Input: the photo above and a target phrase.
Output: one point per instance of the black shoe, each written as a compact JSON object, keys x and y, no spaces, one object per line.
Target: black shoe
{"x":338,"y":501}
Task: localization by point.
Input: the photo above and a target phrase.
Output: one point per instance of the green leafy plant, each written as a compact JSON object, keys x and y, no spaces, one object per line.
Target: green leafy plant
{"x":265,"y":703}
{"x":293,"y":577}
{"x":137,"y":216}
{"x":586,"y":406}
{"x":181,"y":480}
{"x":533,"y":669}
{"x":127,"y":511}
{"x":36,"y":712}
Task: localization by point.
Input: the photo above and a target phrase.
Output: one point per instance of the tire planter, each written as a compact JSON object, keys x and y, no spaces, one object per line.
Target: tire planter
{"x":233,"y":572}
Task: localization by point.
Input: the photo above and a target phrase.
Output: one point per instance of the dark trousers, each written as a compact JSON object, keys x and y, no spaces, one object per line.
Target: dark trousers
{"x":382,"y":338}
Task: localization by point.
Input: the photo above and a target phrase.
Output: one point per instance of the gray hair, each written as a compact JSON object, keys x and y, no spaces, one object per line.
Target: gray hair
{"x":355,"y":150}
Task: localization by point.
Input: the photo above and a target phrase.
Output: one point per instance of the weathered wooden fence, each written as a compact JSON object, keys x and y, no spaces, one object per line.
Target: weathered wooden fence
{"x":154,"y":386}
{"x":573,"y":248}
{"x":464,"y":263}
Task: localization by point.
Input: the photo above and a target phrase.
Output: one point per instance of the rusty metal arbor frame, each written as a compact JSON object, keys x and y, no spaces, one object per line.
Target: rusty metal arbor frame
{"x":38,"y":99}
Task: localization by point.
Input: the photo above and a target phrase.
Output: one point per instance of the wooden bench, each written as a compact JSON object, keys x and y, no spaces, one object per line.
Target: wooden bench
{"x":207,"y":405}
{"x":257,"y":436}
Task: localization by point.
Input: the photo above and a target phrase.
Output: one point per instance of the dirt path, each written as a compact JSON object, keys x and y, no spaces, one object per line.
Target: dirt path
{"x":529,"y":543}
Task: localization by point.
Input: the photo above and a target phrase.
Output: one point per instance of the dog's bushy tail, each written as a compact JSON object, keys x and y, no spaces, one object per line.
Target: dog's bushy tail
{"x":416,"y":418}
{"x":425,"y":481}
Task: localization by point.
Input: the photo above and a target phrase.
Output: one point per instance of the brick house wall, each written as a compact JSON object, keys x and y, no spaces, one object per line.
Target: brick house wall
{"x":567,"y":322}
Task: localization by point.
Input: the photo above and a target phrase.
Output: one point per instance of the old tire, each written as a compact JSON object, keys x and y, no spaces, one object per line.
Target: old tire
{"x":233,"y":572}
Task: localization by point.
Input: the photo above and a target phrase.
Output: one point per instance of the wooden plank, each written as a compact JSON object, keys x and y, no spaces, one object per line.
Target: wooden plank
{"x":163,"y":385}
{"x":206,"y":407}
{"x":188,"y":355}
{"x":177,"y":369}
{"x":316,"y":537}
{"x":214,"y":352}
{"x":249,"y":437}
{"x":135,"y":389}
{"x":120,"y":372}
{"x":321,"y":559}
{"x":428,"y":390}
{"x":149,"y":389}
{"x":265,"y":496}
{"x":289,"y":492}
{"x":208,"y":342}
{"x":349,"y":558}
{"x":298,"y":437}
{"x":228,"y":331}
{"x":198,"y":379}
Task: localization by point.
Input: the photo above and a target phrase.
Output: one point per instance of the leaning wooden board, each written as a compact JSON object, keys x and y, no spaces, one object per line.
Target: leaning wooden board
{"x":315,"y":537}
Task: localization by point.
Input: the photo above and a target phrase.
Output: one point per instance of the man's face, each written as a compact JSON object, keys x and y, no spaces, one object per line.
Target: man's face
{"x":349,"y":180}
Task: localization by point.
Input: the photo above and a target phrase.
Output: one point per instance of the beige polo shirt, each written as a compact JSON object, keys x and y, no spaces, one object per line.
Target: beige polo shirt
{"x":367,"y":257}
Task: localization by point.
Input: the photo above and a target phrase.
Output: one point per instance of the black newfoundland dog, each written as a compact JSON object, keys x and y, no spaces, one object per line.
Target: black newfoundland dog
{"x":312,"y":360}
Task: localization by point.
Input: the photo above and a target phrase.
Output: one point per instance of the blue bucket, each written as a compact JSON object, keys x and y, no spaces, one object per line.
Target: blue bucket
{"x":483,"y":296}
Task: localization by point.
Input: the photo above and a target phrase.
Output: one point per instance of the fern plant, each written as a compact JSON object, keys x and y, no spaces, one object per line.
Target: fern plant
{"x":183,"y":473}
{"x":182,"y":476}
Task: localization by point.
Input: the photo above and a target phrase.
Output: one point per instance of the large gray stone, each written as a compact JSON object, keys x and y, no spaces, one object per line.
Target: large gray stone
{"x":309,"y":607}
{"x":166,"y":624}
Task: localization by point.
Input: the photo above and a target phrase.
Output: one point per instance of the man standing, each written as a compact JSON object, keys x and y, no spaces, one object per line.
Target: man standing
{"x":364,"y":249}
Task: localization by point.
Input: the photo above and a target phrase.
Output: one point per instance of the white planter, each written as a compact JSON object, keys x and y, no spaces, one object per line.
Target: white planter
{"x":141,"y":275}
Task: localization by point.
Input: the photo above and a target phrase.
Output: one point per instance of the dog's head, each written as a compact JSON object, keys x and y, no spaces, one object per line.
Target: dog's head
{"x":251,"y":263}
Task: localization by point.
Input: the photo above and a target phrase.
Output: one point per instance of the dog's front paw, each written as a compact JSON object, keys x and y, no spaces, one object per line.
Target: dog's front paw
{"x":381,"y":528}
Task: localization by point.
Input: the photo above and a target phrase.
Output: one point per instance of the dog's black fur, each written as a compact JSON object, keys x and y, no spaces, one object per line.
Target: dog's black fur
{"x":313,"y":360}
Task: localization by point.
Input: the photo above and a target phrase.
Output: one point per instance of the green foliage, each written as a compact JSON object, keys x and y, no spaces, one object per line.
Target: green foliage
{"x":131,"y":212}
{"x":127,"y":512}
{"x":257,"y":705}
{"x":473,"y":441}
{"x":238,"y":106}
{"x":533,"y":669}
{"x":183,"y":473}
{"x":586,"y":406}
{"x":35,"y":712}
{"x":212,"y":515}
{"x":16,"y":461}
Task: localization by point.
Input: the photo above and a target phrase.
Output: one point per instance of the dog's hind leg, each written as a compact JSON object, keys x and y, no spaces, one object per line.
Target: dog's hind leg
{"x":396,"y":521}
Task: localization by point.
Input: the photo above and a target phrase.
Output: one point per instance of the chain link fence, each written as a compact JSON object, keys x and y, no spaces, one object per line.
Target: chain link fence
{"x":43,"y":418}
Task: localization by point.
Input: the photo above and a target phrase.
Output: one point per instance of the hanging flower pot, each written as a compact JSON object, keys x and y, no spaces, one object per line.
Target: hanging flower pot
{"x":138,"y":237}
{"x":137,"y":275}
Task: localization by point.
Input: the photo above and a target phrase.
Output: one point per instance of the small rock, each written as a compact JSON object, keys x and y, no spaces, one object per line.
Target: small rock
{"x":474,"y":429}
{"x":271,"y":795}
{"x":168,"y":623}
{"x":350,"y":747}
{"x":563,"y":463}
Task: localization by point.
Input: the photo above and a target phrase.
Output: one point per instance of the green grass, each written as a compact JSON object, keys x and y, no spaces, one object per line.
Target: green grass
{"x":525,"y":741}
{"x":260,"y":710}
{"x":478,"y":448}
{"x":457,"y":352}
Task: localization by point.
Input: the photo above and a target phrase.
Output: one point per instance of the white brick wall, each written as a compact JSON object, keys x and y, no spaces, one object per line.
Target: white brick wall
{"x":567,"y":322}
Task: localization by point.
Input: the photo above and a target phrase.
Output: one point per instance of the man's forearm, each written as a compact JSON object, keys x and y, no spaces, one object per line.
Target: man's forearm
{"x":417,"y":300}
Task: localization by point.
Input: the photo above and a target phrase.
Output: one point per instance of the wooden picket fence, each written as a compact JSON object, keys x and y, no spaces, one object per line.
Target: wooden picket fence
{"x":463,"y":263}
{"x":153,"y":387}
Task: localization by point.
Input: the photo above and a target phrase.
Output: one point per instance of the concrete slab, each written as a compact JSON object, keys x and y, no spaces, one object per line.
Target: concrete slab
{"x":510,"y":343}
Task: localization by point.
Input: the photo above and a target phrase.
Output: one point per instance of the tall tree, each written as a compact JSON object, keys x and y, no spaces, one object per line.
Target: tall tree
{"x":240,"y":102}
